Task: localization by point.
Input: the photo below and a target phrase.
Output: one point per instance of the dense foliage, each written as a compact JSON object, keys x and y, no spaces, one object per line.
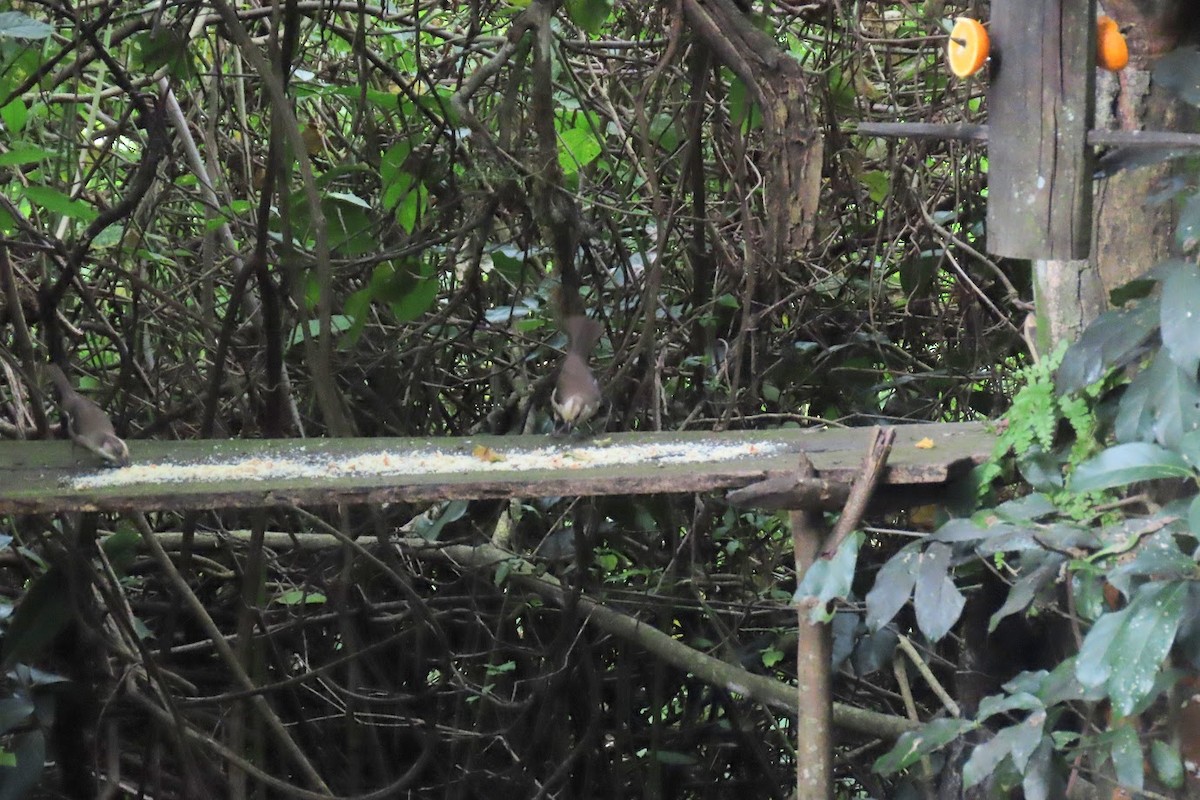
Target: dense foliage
{"x":341,"y":219}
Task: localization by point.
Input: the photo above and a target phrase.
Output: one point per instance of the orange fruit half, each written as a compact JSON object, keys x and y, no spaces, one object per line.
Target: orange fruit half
{"x":968,"y":47}
{"x":1112,"y":52}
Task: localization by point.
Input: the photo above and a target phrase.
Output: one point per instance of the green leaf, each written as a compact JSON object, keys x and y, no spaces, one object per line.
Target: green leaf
{"x":1167,"y":763}
{"x":577,"y":148}
{"x":1016,"y":741}
{"x":1162,"y":404}
{"x":24,"y":153}
{"x":1039,"y":780}
{"x":1005,"y":703}
{"x":1037,"y":572}
{"x":771,"y":656}
{"x":1187,"y":230}
{"x":15,"y":25}
{"x":40,"y":616}
{"x":1179,"y":72}
{"x":295,"y":597}
{"x":14,"y":711}
{"x":411,"y":206}
{"x":430,"y":529}
{"x":1158,"y":556}
{"x":665,"y":132}
{"x":877,"y":183}
{"x":52,"y":199}
{"x":917,"y":274}
{"x":962,"y":529}
{"x":121,"y":549}
{"x":1125,"y":649}
{"x":874,"y":651}
{"x":30,"y":752}
{"x":1111,"y":341}
{"x":1180,"y":314}
{"x":419,"y":299}
{"x":165,"y":46}
{"x":589,"y":15}
{"x":893,"y":585}
{"x":828,"y":579}
{"x":936,"y":599}
{"x":915,"y":745}
{"x":1126,"y":753}
{"x":14,"y":116}
{"x":337,"y":324}
{"x":1123,"y":464}
{"x":510,"y":261}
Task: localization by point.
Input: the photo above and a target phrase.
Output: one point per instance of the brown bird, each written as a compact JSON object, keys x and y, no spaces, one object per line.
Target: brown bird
{"x":87,"y":424}
{"x":576,"y":395}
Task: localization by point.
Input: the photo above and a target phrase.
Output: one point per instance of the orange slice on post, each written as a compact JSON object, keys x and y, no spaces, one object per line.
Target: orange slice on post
{"x":1112,"y":52}
{"x":967,"y":49}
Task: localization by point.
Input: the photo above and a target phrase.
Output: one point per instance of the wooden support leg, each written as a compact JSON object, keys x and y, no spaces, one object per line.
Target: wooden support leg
{"x":814,"y":681}
{"x":814,"y":723}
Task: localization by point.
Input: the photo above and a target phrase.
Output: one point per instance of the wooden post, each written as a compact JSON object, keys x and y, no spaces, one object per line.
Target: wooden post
{"x":1040,"y":109}
{"x":814,"y":684}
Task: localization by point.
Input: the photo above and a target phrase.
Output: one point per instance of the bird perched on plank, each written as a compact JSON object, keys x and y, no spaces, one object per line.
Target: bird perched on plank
{"x":87,"y":424}
{"x":576,"y":395}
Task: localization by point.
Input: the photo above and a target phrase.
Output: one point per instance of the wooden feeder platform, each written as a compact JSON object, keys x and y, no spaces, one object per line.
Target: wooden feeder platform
{"x":51,"y":476}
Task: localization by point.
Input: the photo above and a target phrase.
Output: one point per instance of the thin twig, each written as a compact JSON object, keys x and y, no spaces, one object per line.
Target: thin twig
{"x":862,"y":489}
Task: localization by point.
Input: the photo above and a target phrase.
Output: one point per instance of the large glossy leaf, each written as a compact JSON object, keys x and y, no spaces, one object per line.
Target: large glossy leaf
{"x":1126,"y":753}
{"x":1062,"y":685}
{"x":893,"y":585}
{"x":1187,"y":230}
{"x":844,"y":633}
{"x":1124,"y":650}
{"x":1037,"y":571}
{"x":1162,"y":404}
{"x":42,"y":613}
{"x":962,"y":529}
{"x":1167,"y":763}
{"x":829,"y":579}
{"x":1123,"y":464}
{"x":1016,"y":741}
{"x":1030,"y":508}
{"x":1179,"y":71}
{"x":914,"y":745}
{"x":1158,"y":555}
{"x":578,"y":147}
{"x":1041,"y":782}
{"x":14,"y":711}
{"x":589,"y":14}
{"x":1004,"y":703}
{"x":53,"y":200}
{"x":15,"y":25}
{"x":1112,"y":340}
{"x":937,"y":601}
{"x":24,"y":153}
{"x":874,"y":651}
{"x":1180,"y":315}
{"x":30,"y":752}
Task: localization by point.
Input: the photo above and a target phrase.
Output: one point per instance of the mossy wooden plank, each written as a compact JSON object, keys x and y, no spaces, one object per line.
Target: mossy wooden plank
{"x":44,"y":477}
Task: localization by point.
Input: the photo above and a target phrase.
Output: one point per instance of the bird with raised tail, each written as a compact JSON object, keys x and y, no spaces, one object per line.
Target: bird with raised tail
{"x":576,"y":396}
{"x":87,"y":424}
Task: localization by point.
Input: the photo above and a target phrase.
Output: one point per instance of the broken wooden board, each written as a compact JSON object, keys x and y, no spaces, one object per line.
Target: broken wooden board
{"x":49,"y":477}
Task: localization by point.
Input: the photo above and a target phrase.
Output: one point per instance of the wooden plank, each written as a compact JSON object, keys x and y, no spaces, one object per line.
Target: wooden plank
{"x":1040,"y":109}
{"x":49,"y":477}
{"x":965,"y":132}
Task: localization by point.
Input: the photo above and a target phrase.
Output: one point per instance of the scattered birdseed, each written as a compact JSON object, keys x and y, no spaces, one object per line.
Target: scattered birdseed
{"x":421,"y":462}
